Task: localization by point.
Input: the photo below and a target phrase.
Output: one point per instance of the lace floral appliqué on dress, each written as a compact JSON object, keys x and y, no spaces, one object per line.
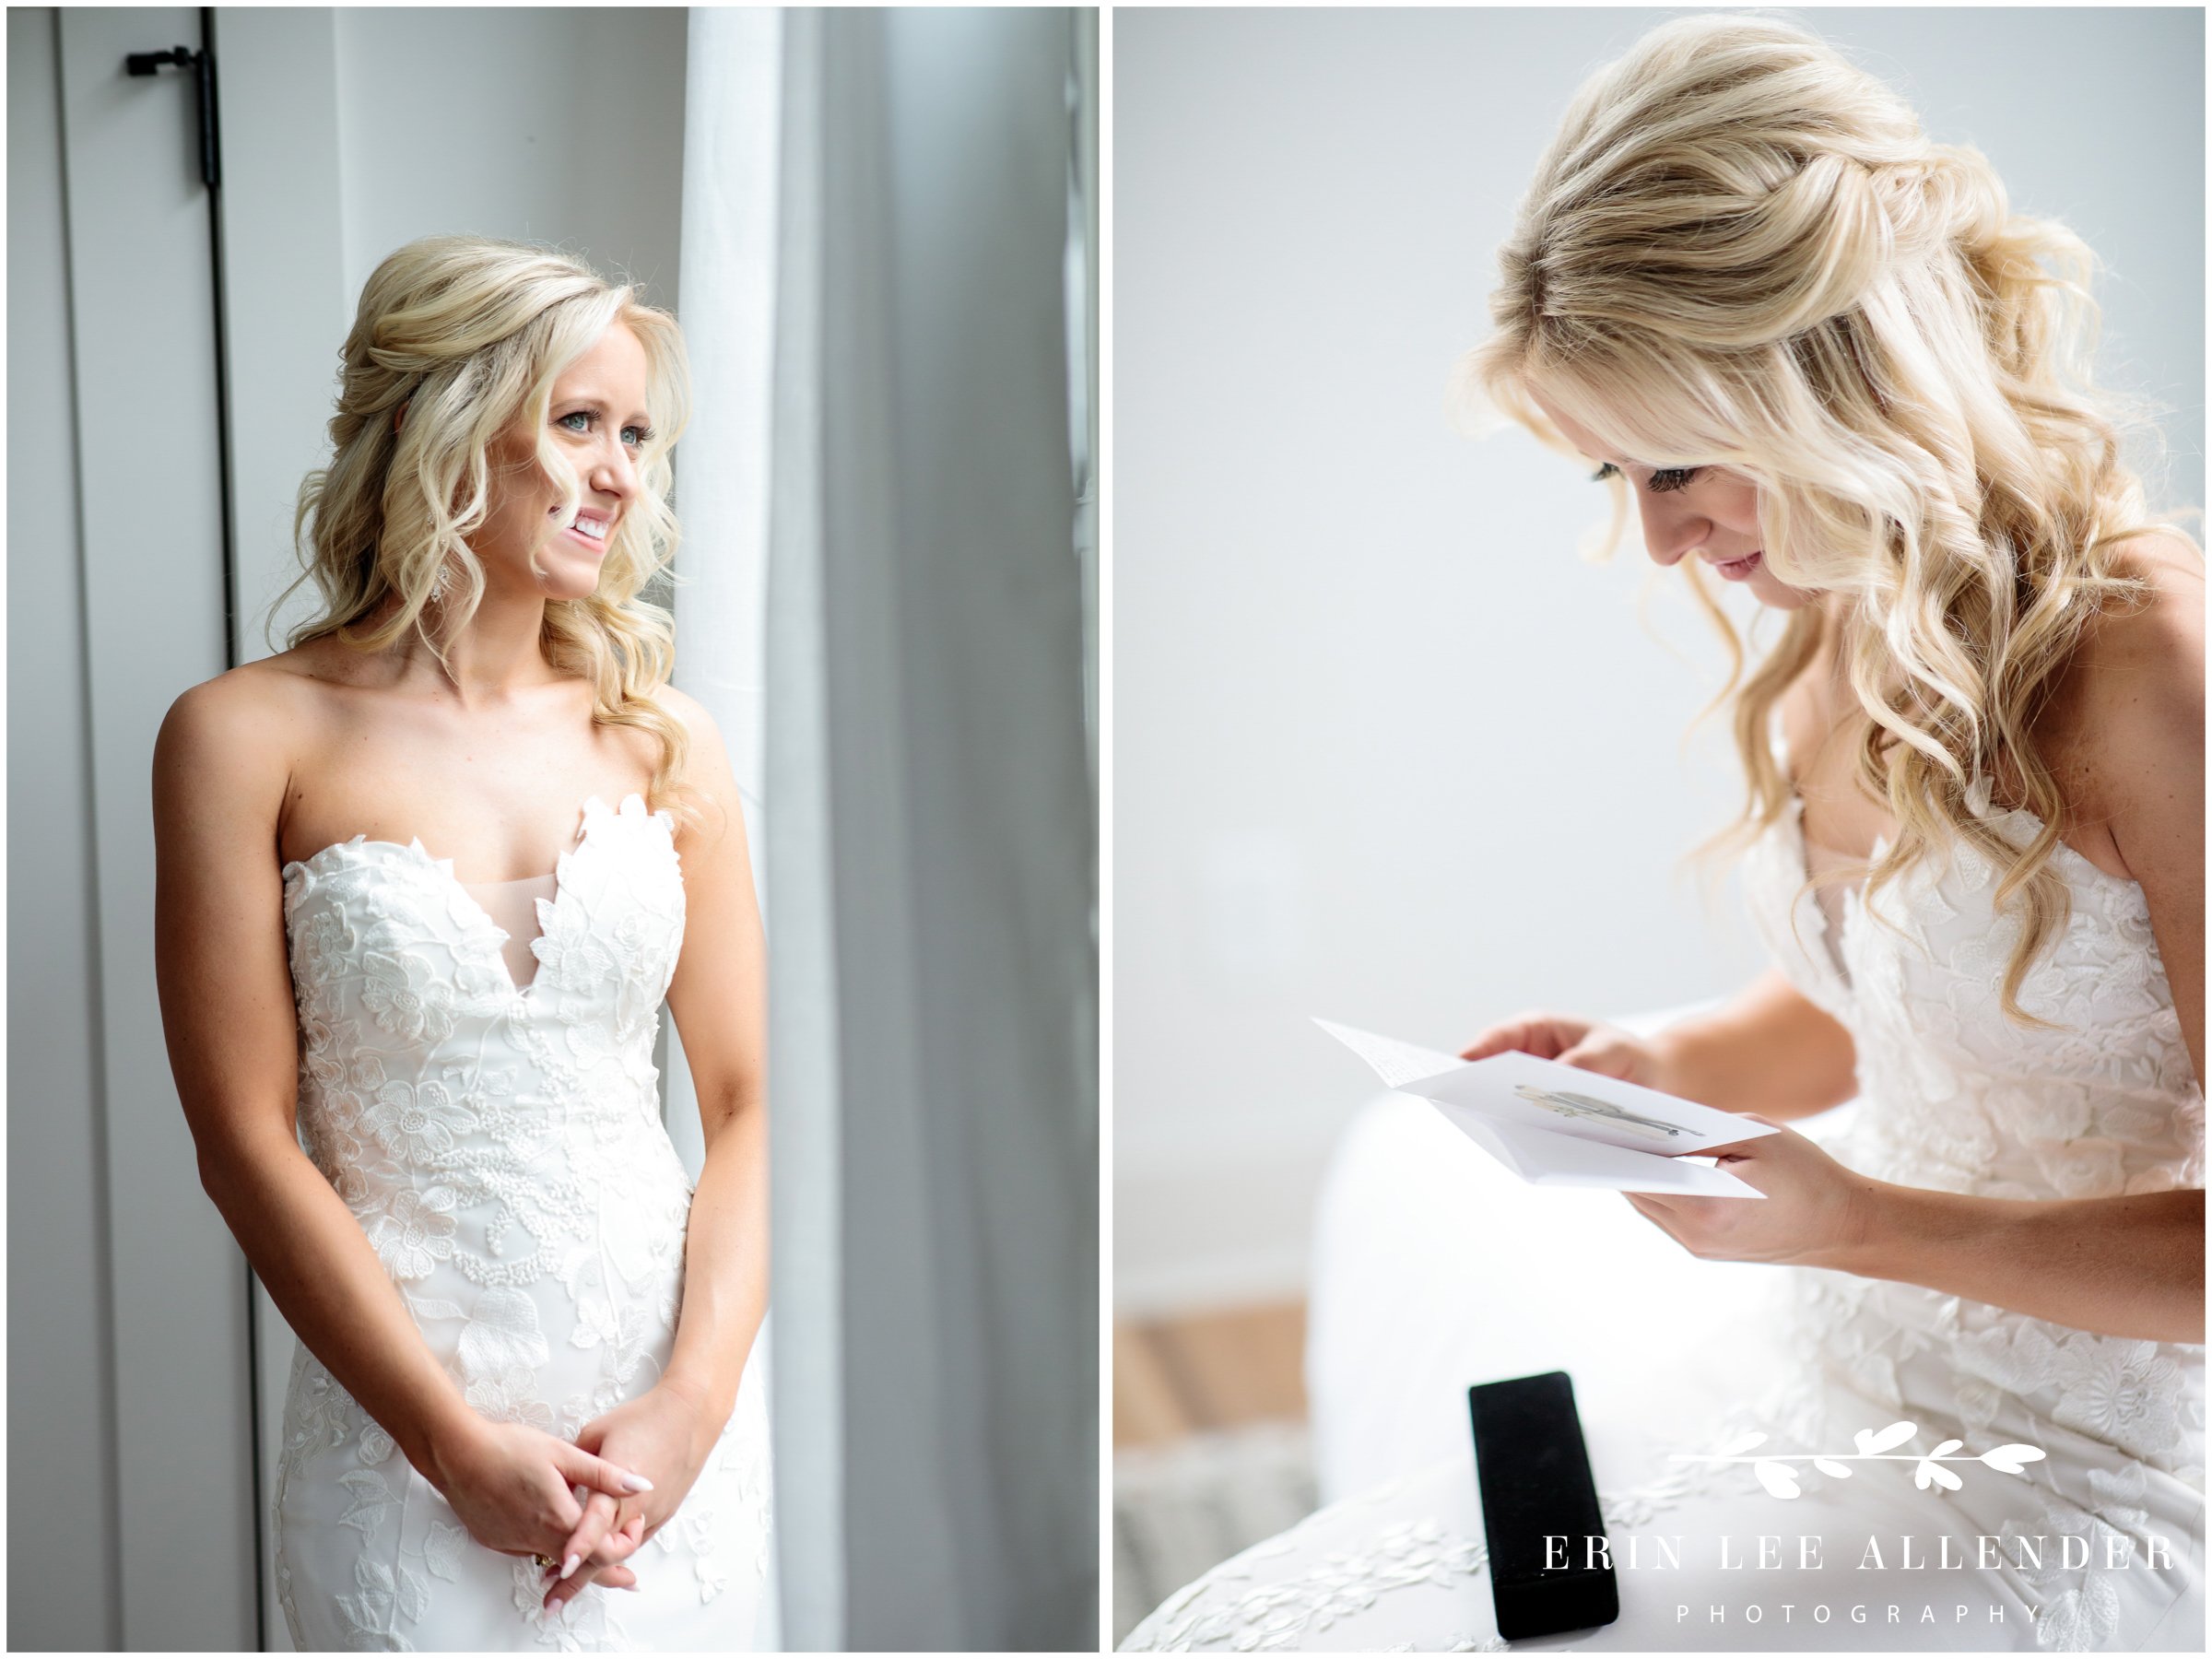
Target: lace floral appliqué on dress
{"x":503,"y":1151}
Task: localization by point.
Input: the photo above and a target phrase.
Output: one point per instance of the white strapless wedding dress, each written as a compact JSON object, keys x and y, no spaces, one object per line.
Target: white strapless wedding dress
{"x":1956,"y":1097}
{"x":503,"y":1150}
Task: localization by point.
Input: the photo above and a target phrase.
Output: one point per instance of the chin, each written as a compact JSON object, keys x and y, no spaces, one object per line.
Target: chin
{"x":1776,"y":595}
{"x":562,"y":585}
{"x":569,"y":574}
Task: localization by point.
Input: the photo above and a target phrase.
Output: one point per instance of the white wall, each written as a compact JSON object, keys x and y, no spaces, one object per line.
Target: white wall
{"x":547,"y":124}
{"x":558,"y":124}
{"x":1385,"y":750}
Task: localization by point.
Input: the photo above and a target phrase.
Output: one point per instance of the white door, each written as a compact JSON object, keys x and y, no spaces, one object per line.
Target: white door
{"x":142,"y":310}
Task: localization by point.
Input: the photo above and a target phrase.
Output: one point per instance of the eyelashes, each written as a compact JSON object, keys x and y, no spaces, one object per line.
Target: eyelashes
{"x":590,"y":418}
{"x":1663,"y":480}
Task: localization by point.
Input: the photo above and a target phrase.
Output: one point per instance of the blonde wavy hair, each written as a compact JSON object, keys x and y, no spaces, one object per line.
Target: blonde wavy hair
{"x":467,"y":336}
{"x":1742,"y":251}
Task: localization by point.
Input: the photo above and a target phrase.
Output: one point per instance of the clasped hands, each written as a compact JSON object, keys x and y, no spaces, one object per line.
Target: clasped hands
{"x":588,"y":1504}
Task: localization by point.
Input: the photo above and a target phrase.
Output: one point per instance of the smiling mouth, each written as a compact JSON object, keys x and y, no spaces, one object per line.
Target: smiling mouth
{"x":590,"y":528}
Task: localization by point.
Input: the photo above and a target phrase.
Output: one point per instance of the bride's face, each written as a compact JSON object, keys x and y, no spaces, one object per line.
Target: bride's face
{"x":597,"y":419}
{"x":1708,"y":512}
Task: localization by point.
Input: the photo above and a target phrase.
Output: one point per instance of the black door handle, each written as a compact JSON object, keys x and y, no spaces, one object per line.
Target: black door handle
{"x":202,"y":65}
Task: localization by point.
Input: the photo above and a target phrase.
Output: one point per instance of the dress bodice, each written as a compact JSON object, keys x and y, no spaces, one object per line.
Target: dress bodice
{"x":502,"y":1150}
{"x":452,"y":1110}
{"x":2101,"y":1101}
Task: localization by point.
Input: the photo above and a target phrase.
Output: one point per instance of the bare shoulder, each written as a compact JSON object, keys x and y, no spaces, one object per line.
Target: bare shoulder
{"x":692,"y":712}
{"x":707,"y":769}
{"x":240,"y":725}
{"x":222,"y":766}
{"x":2132,"y":724}
{"x":2137,"y":683}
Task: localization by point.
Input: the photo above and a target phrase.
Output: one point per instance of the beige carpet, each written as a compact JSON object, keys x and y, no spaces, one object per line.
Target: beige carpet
{"x":1189,"y":1504}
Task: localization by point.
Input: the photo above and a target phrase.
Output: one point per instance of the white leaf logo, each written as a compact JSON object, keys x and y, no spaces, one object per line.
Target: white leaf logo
{"x":1926,"y":1474}
{"x":1774,"y":1473}
{"x":1897,"y":1435}
{"x":1776,"y":1477}
{"x":2011,"y":1458}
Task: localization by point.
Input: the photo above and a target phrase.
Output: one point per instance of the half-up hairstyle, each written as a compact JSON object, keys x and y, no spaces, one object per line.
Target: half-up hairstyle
{"x":1741,"y":251}
{"x":468,"y":335}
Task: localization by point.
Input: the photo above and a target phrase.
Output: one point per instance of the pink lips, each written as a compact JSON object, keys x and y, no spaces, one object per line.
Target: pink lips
{"x":1737,"y":569}
{"x":583,"y":538}
{"x":597,"y":544}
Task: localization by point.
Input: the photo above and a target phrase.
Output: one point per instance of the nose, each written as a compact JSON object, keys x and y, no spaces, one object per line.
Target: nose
{"x":613,"y":469}
{"x":1670,"y":531}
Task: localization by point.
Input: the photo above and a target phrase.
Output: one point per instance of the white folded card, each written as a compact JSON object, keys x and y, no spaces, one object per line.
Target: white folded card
{"x":1559,"y":1126}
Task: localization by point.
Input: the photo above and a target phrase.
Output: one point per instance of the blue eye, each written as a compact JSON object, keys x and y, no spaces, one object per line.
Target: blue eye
{"x":634,"y":437}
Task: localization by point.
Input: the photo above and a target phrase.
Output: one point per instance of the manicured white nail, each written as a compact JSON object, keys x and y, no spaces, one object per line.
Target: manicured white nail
{"x":568,"y":1568}
{"x":636,"y":1483}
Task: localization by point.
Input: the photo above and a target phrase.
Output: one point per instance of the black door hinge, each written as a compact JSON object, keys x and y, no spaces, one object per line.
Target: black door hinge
{"x":202,"y":65}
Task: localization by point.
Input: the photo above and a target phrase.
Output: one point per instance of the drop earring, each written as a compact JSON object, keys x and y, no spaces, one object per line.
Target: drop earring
{"x":437,"y":588}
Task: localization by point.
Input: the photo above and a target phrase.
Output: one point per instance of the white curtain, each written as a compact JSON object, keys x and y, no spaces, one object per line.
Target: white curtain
{"x":727,"y":282}
{"x":920,"y":794}
{"x":727,"y":279}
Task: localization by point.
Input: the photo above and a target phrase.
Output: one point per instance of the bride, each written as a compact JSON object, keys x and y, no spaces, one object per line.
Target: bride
{"x":399,"y":922}
{"x":1825,"y":363}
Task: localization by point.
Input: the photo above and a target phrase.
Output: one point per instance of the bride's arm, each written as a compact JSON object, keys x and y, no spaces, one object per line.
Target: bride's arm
{"x":2137,"y":730}
{"x":1766,"y":1050}
{"x":227,"y":1015}
{"x":718,"y":996}
{"x":719,"y":999}
{"x":2130,"y":1266}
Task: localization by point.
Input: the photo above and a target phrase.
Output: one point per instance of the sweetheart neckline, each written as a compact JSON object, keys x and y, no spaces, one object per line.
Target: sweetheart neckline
{"x":413,"y":842}
{"x":1988,"y":811}
{"x":1835,"y":942}
{"x":444,"y":866}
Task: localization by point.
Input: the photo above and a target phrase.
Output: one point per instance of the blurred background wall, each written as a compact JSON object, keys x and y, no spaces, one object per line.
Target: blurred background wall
{"x":1384,"y":749}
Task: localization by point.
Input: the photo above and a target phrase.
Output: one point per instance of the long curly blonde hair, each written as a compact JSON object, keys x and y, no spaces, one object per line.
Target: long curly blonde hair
{"x":1742,"y":251}
{"x":468,"y":335}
